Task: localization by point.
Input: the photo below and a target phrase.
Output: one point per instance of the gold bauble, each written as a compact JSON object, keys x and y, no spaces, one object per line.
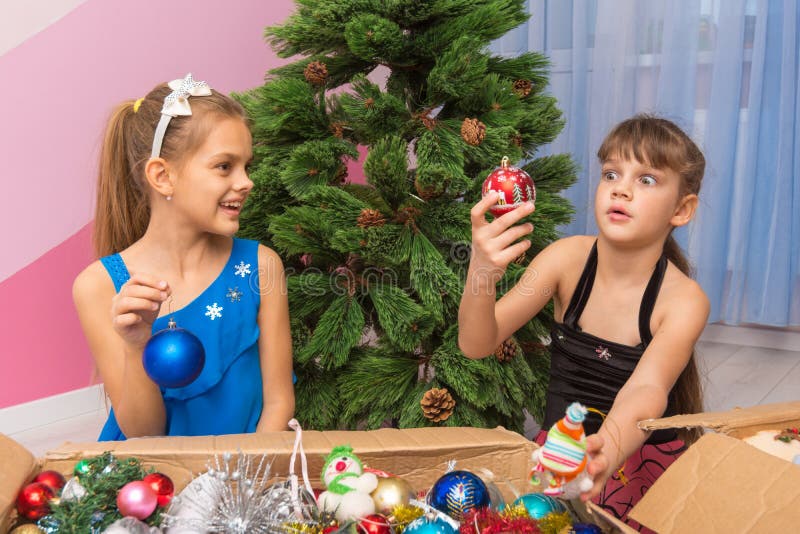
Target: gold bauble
{"x":28,"y":528}
{"x":391,"y":492}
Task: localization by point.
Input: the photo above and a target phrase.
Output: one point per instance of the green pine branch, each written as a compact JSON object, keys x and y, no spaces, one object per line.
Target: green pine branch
{"x":375,"y":271}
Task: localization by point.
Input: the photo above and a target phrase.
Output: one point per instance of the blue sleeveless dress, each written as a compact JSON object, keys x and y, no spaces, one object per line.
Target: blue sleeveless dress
{"x":227,"y":397}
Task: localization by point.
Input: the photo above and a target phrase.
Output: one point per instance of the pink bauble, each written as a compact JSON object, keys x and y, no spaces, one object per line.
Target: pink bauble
{"x":514,"y":185}
{"x":137,"y":499}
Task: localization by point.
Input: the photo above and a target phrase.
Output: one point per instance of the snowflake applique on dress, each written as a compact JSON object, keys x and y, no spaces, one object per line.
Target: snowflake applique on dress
{"x":234,"y":295}
{"x":242,"y":269}
{"x":603,"y":353}
{"x":214,"y":311}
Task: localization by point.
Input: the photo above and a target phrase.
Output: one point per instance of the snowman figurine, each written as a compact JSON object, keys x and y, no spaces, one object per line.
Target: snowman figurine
{"x":348,"y":487}
{"x":563,"y":456}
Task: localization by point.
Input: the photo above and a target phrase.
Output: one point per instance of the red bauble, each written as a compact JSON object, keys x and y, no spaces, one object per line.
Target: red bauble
{"x":514,"y":185}
{"x":52,"y":479}
{"x":328,"y":530}
{"x":33,"y":502}
{"x":374,"y":524}
{"x":163,"y":487}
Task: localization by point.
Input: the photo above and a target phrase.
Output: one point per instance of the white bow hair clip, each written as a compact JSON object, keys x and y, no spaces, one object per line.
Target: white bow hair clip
{"x":177,"y":104}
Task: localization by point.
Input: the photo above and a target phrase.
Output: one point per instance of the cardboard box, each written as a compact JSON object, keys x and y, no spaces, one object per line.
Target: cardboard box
{"x":419,"y":455}
{"x":722,"y":484}
{"x":17,"y":467}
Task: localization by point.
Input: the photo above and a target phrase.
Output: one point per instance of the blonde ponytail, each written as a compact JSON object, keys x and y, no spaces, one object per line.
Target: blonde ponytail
{"x":122,"y":212}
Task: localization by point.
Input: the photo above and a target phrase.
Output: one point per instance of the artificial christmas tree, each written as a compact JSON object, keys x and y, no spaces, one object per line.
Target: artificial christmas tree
{"x":376,"y":270}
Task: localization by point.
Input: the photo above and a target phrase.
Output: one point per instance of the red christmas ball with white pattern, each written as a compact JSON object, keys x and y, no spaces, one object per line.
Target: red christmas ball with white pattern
{"x":515,"y":187}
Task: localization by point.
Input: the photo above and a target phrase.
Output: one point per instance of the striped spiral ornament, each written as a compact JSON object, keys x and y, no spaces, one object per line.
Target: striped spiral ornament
{"x":564,"y":451}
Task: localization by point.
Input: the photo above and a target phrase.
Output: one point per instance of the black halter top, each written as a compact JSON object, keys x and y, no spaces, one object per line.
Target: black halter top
{"x":591,"y":370}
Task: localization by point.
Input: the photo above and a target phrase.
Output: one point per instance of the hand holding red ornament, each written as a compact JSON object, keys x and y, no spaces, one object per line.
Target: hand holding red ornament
{"x":494,"y":244}
{"x":513,"y":185}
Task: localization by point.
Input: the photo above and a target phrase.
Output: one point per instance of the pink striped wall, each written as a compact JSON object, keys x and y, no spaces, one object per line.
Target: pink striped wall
{"x":58,"y":88}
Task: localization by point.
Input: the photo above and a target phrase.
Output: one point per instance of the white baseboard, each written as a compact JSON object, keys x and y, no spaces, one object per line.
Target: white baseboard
{"x":48,"y":410}
{"x":769,"y":338}
{"x":41,"y":412}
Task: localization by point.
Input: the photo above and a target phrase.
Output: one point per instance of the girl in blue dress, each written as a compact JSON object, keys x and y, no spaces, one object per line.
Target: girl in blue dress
{"x":173,"y":179}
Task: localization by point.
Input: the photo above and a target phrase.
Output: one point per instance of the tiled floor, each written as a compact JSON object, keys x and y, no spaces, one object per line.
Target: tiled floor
{"x":733,"y":375}
{"x":745,"y":376}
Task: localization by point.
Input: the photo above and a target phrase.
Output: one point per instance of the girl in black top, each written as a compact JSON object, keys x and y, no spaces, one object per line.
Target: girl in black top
{"x":627,"y":313}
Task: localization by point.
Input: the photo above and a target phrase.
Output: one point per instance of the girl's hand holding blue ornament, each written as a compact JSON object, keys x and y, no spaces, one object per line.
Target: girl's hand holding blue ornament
{"x":172,"y":357}
{"x":135,"y":308}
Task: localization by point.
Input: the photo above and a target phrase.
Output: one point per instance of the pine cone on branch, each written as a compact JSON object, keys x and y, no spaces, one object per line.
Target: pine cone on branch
{"x":369,"y":218}
{"x":523,"y":88}
{"x":426,"y":119}
{"x":507,"y":350}
{"x":473,"y":131}
{"x":337,"y":129}
{"x":408,"y":216}
{"x":425,"y":193}
{"x":437,"y":404}
{"x":341,"y":175}
{"x":316,"y":73}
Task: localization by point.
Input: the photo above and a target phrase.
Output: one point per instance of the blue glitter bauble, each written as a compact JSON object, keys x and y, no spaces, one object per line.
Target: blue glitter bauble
{"x":586,"y":528}
{"x":457,"y":493}
{"x":539,"y":505}
{"x":424,"y":525}
{"x":173,"y":357}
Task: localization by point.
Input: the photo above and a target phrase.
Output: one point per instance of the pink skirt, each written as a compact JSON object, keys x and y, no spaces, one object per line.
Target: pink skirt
{"x":641,"y":470}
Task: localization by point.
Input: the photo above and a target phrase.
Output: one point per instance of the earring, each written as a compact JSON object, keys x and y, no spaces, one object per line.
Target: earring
{"x":169,"y":197}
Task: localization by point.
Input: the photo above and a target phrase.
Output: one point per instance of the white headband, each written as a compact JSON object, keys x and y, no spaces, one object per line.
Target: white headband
{"x":177,"y":103}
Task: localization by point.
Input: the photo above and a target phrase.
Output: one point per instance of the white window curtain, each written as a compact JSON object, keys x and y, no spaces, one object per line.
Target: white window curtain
{"x":726,"y":71}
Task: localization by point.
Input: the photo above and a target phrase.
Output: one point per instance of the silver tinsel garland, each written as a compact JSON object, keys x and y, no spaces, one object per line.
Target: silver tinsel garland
{"x":236,"y":497}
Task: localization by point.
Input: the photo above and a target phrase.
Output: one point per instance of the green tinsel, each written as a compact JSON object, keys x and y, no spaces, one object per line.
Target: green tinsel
{"x":98,"y":508}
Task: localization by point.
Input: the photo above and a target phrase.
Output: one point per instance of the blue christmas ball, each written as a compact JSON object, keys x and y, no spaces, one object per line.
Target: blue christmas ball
{"x":426,"y":525}
{"x":457,"y":493}
{"x":173,"y":357}
{"x":586,"y":528}
{"x":97,"y":518}
{"x":539,"y":505}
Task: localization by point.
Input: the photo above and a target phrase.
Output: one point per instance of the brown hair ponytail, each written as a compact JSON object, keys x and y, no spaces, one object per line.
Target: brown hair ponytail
{"x":687,"y":392}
